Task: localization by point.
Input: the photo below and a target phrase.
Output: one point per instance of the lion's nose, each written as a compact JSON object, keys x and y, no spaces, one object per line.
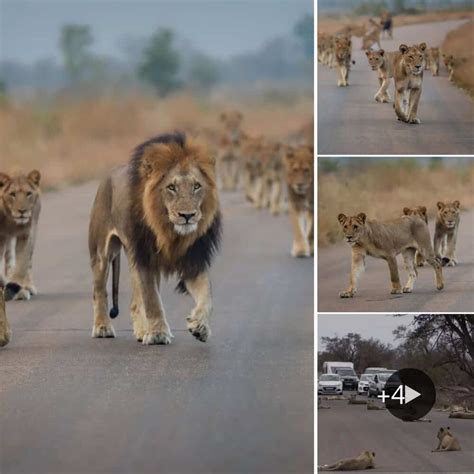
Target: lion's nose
{"x":22,"y":211}
{"x":186,"y":217}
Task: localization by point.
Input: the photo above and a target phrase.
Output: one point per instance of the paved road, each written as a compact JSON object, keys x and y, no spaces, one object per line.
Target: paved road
{"x":345,"y":431}
{"x":242,"y":403}
{"x":351,"y":122}
{"x":374,"y":290}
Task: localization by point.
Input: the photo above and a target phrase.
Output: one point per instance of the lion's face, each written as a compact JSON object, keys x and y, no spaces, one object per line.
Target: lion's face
{"x":414,"y":58}
{"x":299,"y":165}
{"x":353,"y":227}
{"x":448,"y":213}
{"x":376,"y":58}
{"x":419,"y":211}
{"x":19,"y":196}
{"x":232,"y":121}
{"x":434,"y":53}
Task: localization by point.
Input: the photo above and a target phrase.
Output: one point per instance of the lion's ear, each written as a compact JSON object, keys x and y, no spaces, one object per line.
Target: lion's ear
{"x":4,"y":180}
{"x":362,"y":217}
{"x":440,"y":205}
{"x":422,"y":46}
{"x":34,"y":177}
{"x":406,"y":211}
{"x":290,"y":153}
{"x":403,"y":48}
{"x":367,"y":53}
{"x":423,"y":210}
{"x":457,"y":204}
{"x":381,"y":52}
{"x":341,"y":218}
{"x":152,"y":158}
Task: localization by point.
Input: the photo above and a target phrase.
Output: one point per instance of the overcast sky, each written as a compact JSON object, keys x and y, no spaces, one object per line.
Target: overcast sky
{"x":379,"y":326}
{"x":29,"y":29}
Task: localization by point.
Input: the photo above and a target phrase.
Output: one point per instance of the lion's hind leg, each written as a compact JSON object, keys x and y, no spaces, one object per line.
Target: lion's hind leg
{"x":409,"y":259}
{"x":100,"y":271}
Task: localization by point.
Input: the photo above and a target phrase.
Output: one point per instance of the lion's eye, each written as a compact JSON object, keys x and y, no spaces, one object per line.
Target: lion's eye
{"x":29,"y":194}
{"x":13,"y":194}
{"x":356,"y":227}
{"x":171,"y":187}
{"x":197,"y":186}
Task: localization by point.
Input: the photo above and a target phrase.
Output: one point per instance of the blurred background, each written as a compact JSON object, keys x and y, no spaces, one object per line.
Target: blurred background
{"x":82,"y":82}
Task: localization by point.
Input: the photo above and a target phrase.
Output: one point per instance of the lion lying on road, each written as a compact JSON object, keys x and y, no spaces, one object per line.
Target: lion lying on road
{"x":364,"y":461}
{"x":386,"y":240}
{"x":163,"y":209}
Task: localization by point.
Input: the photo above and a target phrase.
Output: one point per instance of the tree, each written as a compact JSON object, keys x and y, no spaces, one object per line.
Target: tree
{"x":74,"y":43}
{"x":304,"y":30}
{"x":160,"y":63}
{"x":203,"y":73}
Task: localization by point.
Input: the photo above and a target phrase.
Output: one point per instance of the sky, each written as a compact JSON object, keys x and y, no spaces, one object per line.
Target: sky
{"x":378,"y":326}
{"x":29,"y":29}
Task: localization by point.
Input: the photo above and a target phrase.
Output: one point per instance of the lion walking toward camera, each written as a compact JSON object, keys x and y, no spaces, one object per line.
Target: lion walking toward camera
{"x":163,"y":210}
{"x":446,"y":232}
{"x":386,"y":240}
{"x":364,"y":461}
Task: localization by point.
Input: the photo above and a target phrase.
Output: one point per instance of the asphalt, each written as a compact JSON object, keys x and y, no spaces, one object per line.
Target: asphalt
{"x":350,"y":122}
{"x":373,"y":295}
{"x":241,"y":403}
{"x":344,"y":431}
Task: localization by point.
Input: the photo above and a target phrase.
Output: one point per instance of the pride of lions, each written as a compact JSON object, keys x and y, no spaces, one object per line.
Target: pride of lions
{"x":407,"y":235}
{"x":162,"y":209}
{"x":405,"y":66}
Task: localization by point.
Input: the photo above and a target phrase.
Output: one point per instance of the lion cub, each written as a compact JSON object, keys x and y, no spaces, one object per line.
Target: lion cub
{"x":408,"y":75}
{"x":382,"y":62}
{"x":446,"y":232}
{"x":432,"y":60}
{"x":5,"y":332}
{"x":447,"y":442}
{"x":386,"y":240}
{"x":364,"y":461}
{"x":343,"y":54}
{"x":421,"y":212}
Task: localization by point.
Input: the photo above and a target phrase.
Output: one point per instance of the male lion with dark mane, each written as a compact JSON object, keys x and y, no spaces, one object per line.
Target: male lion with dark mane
{"x":163,"y":209}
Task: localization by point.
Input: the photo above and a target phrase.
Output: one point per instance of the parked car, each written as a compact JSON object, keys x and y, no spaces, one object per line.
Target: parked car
{"x":349,"y":378}
{"x":330,"y":384}
{"x":363,"y":386}
{"x":377,"y":384}
{"x":375,"y":370}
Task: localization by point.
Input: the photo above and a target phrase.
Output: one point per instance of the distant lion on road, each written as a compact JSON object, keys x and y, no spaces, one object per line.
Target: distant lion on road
{"x":163,"y":209}
{"x":364,"y":461}
{"x":386,"y":240}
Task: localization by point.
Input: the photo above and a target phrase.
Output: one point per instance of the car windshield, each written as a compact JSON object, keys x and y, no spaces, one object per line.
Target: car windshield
{"x":383,"y":377}
{"x":329,"y":377}
{"x":366,"y":377}
{"x":373,"y":371}
{"x":345,"y":372}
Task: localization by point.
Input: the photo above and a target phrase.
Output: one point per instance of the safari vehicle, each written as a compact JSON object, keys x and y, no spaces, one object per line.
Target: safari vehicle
{"x":363,"y":386}
{"x":330,"y":384}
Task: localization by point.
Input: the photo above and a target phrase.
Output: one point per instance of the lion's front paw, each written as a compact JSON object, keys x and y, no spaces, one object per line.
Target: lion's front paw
{"x":31,"y":288}
{"x":448,"y":262}
{"x":199,"y":328}
{"x":406,"y":289}
{"x":396,"y":291}
{"x":5,"y":335}
{"x":151,"y":338}
{"x":103,"y":330}
{"x":415,"y":120}
{"x":346,"y":294}
{"x":299,"y":251}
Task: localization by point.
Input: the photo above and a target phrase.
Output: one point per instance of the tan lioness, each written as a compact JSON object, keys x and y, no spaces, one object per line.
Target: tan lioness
{"x":361,"y":462}
{"x":5,"y":333}
{"x":386,"y":240}
{"x":420,"y":211}
{"x":447,"y":442}
{"x":432,"y":60}
{"x":446,"y":232}
{"x":408,"y":75}
{"x":382,"y":62}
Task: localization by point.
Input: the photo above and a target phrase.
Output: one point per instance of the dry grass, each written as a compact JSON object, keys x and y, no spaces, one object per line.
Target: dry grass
{"x":332,"y":24}
{"x":383,"y":189}
{"x":71,"y":140}
{"x":460,"y":43}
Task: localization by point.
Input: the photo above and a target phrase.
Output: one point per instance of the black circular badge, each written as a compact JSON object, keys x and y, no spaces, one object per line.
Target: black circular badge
{"x":409,"y":394}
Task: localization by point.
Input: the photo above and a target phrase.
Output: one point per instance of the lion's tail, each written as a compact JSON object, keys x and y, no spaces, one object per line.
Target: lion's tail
{"x":114,"y":311}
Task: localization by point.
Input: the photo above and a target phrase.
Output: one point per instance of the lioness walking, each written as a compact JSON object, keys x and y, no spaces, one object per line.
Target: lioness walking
{"x":386,"y":240}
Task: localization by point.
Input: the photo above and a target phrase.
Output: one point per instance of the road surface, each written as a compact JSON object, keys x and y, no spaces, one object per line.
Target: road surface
{"x":242,"y":403}
{"x":344,"y":431}
{"x":350,"y":122}
{"x":374,"y":289}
